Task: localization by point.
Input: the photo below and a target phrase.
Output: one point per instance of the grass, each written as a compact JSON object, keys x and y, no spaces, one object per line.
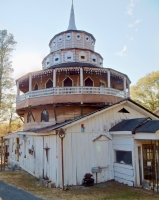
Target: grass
{"x":110,"y":190}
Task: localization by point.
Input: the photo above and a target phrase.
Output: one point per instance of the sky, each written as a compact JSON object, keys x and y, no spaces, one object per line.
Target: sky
{"x":126,"y":31}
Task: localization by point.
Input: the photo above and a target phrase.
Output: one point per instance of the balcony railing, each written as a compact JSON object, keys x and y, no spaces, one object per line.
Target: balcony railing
{"x":71,"y":90}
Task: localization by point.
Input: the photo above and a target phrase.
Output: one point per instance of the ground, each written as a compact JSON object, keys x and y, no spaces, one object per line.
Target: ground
{"x":109,"y":190}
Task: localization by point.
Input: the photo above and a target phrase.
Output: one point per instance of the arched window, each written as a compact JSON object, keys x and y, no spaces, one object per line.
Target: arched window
{"x":44,"y":116}
{"x":88,"y":82}
{"x":67,"y":82}
{"x":36,"y":87}
{"x":29,"y":117}
{"x":69,"y":56}
{"x":49,"y":84}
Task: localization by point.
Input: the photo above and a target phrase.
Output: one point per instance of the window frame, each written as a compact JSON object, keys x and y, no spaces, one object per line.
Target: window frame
{"x":119,"y":157}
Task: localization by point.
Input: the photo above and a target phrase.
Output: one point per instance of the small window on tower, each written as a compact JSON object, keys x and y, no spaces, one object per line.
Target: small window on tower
{"x":47,"y":63}
{"x":68,"y":36}
{"x":82,"y":57}
{"x":56,"y":59}
{"x":87,"y":39}
{"x":78,"y":36}
{"x":94,"y":60}
{"x":69,"y":57}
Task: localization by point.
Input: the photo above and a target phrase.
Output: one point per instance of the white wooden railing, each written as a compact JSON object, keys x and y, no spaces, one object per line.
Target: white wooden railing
{"x":71,"y":90}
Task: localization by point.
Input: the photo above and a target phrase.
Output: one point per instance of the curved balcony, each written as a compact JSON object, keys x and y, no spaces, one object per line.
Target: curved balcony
{"x":63,"y":91}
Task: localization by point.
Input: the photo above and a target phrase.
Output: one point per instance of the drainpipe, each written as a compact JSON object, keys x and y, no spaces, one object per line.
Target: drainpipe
{"x":62,"y":135}
{"x":43,"y":157}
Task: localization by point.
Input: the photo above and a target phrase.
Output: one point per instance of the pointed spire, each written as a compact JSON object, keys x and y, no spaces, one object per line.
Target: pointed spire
{"x":72,"y":25}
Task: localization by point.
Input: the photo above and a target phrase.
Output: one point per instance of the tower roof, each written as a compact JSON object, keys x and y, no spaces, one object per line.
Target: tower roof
{"x":72,"y":25}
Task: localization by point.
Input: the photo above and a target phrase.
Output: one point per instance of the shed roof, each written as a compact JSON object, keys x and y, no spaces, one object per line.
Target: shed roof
{"x":149,"y":127}
{"x":129,"y":124}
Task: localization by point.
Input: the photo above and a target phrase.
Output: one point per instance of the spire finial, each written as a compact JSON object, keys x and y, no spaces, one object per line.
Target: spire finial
{"x":72,"y":25}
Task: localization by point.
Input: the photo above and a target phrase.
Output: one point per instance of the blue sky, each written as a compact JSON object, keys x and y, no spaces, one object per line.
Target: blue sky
{"x":126,"y":31}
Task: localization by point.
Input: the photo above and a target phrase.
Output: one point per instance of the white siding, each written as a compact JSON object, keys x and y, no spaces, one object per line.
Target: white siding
{"x":122,"y":172}
{"x":81,"y":153}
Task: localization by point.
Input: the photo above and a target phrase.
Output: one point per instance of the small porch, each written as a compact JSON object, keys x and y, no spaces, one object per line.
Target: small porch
{"x":147,"y":162}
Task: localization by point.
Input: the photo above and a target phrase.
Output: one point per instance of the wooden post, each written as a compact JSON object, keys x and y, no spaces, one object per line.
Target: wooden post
{"x":30,"y":82}
{"x":54,"y":78}
{"x":125,"y":86}
{"x":81,"y":77}
{"x":108,"y":79}
{"x":18,"y":91}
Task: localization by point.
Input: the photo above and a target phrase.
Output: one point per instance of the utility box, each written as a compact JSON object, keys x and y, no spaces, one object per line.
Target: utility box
{"x":96,"y":170}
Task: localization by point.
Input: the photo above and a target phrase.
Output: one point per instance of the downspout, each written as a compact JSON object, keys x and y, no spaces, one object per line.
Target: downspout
{"x":43,"y":157}
{"x":62,"y":168}
{"x":62,"y":135}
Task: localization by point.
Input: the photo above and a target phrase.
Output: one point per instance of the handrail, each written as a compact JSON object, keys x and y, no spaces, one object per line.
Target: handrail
{"x":71,"y":90}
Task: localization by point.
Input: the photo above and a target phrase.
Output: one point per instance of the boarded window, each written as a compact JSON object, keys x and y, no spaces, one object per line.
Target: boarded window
{"x":124,"y":157}
{"x":45,"y":116}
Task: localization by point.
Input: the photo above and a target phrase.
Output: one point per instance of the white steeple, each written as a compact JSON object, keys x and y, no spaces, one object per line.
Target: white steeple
{"x":72,"y":25}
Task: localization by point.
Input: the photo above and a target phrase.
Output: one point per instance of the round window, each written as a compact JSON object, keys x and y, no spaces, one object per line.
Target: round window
{"x":68,"y":36}
{"x":87,"y":38}
{"x":60,"y":38}
{"x":78,"y":36}
{"x":54,"y":42}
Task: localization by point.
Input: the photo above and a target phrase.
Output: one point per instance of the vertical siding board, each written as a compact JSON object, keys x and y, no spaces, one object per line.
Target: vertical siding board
{"x":74,"y":157}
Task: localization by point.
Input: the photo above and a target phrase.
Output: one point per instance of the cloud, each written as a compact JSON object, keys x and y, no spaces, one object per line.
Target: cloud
{"x":135,"y":23}
{"x":121,"y":53}
{"x":130,"y":7}
{"x":131,"y":38}
{"x":135,"y":29}
{"x":138,"y":21}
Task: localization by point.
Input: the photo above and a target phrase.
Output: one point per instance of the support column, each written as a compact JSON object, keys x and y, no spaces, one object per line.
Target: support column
{"x":81,"y":77}
{"x":108,"y":77}
{"x":54,"y":78}
{"x":129,"y":90}
{"x":18,"y":91}
{"x":30,"y":82}
{"x":125,"y":86}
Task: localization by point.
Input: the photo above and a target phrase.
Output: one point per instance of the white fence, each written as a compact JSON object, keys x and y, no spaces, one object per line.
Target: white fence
{"x":71,"y":90}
